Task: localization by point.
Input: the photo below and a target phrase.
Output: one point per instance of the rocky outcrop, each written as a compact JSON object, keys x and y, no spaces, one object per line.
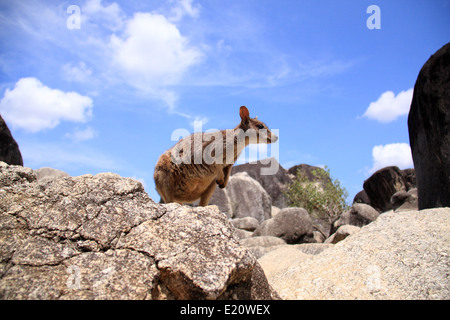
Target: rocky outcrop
{"x":274,"y":184}
{"x":342,"y":232}
{"x":248,"y":198}
{"x":307,"y":170}
{"x":429,"y":134}
{"x":293,"y":225}
{"x":405,"y":201}
{"x":247,"y":223}
{"x":382,"y":185}
{"x":46,"y":174}
{"x":102,"y":237}
{"x":401,"y":255}
{"x":359,"y":215}
{"x":9,"y":149}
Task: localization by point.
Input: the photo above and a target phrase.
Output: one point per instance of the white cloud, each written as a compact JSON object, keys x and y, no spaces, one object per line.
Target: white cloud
{"x":79,"y":73}
{"x":152,"y":52}
{"x":81,"y":134}
{"x":33,"y":106}
{"x":394,"y":154}
{"x":389,"y":107}
{"x":109,"y":16}
{"x":183,"y":8}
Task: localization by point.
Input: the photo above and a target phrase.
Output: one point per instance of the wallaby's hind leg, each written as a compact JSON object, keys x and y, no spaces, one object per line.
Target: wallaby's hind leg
{"x":204,"y":199}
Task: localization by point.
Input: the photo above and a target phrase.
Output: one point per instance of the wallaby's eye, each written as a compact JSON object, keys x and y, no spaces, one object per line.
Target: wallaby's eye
{"x":260,"y":126}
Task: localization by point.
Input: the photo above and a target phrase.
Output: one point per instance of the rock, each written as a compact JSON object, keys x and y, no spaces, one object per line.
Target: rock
{"x":280,"y":259}
{"x":308,"y":171}
{"x":429,"y":134}
{"x":221,"y":200}
{"x":361,"y":197}
{"x":9,"y":149}
{"x":283,"y":257}
{"x":293,"y":225}
{"x":401,"y":255}
{"x":274,"y":211}
{"x":259,"y":246}
{"x":273,"y":183}
{"x":409,"y":176}
{"x":405,"y":201}
{"x":11,"y":175}
{"x":102,"y":237}
{"x":248,"y":198}
{"x":382,"y":185}
{"x":319,"y":237}
{"x":46,"y":174}
{"x":247,"y":223}
{"x":359,"y":215}
{"x":307,"y":248}
{"x":262,"y":241}
{"x":341,"y":233}
{"x":243,"y":234}
{"x":312,"y":248}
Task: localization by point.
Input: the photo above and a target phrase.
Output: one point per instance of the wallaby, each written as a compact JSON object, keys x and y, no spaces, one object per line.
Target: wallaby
{"x":191,"y":169}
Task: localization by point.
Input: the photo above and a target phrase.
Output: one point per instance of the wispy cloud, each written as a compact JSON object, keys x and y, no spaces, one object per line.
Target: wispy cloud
{"x":73,"y":157}
{"x":81,"y":134}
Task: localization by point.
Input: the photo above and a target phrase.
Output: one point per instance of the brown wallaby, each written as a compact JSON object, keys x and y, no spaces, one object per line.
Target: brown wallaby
{"x":191,"y":169}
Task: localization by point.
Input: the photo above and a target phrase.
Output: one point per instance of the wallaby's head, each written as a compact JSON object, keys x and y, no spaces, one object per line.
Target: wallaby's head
{"x":255,"y":130}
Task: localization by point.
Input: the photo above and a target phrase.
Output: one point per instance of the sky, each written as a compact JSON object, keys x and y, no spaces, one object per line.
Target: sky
{"x":103,"y":86}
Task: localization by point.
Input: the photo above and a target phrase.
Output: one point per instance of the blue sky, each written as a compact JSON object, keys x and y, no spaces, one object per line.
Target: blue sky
{"x":103,"y":90}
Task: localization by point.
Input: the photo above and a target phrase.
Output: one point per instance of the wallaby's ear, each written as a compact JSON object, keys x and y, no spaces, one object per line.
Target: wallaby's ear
{"x":245,"y":115}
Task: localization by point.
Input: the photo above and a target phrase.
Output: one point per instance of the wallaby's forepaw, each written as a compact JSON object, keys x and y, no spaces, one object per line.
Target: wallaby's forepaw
{"x":221,"y":184}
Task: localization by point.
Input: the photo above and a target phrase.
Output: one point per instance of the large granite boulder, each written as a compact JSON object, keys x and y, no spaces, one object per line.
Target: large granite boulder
{"x":273,"y":183}
{"x":401,"y":255}
{"x":429,"y":130}
{"x":293,"y":225}
{"x":248,"y":198}
{"x":381,"y":185}
{"x":102,"y":237}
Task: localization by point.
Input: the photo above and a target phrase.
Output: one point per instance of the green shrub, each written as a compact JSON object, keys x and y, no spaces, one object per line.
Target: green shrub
{"x":323,"y":197}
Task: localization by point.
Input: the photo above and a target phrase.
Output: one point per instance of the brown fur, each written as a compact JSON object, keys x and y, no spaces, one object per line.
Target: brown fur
{"x":187,"y":182}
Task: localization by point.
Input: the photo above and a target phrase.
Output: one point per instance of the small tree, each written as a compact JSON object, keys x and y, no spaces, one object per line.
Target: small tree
{"x":323,"y":197}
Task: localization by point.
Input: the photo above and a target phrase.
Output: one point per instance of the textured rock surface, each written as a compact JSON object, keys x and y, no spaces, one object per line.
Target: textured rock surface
{"x":382,"y":185}
{"x":402,"y":255}
{"x":359,"y":215}
{"x":248,"y":198}
{"x":405,"y":201}
{"x":45,"y":174}
{"x":102,"y":237}
{"x":342,"y":232}
{"x":429,"y":134}
{"x":247,"y":223}
{"x":274,"y":184}
{"x":293,"y":225}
